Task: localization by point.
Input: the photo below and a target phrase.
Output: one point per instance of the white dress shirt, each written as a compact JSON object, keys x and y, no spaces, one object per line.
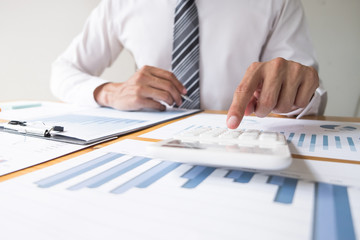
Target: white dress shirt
{"x":233,"y":34}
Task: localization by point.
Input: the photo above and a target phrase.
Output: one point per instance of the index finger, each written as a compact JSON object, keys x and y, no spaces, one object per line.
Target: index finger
{"x":242,"y":97}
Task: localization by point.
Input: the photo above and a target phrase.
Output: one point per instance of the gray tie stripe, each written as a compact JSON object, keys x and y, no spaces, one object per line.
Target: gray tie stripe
{"x":190,"y":14}
{"x":185,"y":63}
{"x":189,"y":40}
{"x":187,"y":66}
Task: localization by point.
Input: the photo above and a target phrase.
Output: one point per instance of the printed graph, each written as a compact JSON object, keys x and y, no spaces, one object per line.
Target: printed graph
{"x":332,"y":209}
{"x":321,"y":142}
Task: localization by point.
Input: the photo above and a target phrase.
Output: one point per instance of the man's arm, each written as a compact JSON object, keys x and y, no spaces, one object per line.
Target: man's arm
{"x":75,"y":74}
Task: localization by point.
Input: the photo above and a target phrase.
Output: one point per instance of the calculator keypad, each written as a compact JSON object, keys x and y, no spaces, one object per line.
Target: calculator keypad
{"x":225,"y":136}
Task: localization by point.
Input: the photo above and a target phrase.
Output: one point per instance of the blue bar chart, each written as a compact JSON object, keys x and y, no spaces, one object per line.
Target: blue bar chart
{"x":78,"y":170}
{"x":317,"y":142}
{"x":332,"y":212}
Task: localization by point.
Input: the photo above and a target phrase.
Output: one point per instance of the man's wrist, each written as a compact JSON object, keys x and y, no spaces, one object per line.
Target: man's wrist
{"x":101,"y":94}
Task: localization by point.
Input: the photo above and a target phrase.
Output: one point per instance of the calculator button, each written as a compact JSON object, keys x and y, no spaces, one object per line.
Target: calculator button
{"x":268,"y":136}
{"x":212,"y":133}
{"x":249,"y":135}
{"x":230,"y":134}
{"x":281,"y":139}
{"x":194,"y":132}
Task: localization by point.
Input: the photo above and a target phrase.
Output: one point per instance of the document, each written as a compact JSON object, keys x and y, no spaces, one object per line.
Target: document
{"x":18,"y":152}
{"x":119,"y":192}
{"x":90,"y":125}
{"x":327,"y":139}
{"x":82,"y":126}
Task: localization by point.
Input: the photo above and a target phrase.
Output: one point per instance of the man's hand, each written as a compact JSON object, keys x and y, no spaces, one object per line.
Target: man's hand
{"x":143,"y":90}
{"x":278,"y":86}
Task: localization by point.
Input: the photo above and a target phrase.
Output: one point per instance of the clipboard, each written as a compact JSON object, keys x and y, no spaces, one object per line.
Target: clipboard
{"x":60,"y":128}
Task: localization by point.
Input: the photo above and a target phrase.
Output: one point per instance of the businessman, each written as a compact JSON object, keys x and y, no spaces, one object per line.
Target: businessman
{"x":245,"y":56}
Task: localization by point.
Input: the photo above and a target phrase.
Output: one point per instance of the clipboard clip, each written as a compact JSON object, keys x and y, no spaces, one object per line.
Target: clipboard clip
{"x":33,"y":128}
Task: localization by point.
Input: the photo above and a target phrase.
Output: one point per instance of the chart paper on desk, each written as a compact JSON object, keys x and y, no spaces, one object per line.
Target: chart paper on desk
{"x":18,"y":152}
{"x":118,"y":192}
{"x":328,"y":139}
{"x":85,"y":125}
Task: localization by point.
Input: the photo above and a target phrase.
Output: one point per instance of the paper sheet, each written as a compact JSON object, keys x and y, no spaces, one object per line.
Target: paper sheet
{"x":18,"y":152}
{"x":118,"y":192}
{"x":328,"y":139}
{"x":89,"y":125}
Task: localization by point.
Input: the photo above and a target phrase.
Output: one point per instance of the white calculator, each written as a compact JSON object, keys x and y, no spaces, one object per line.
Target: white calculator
{"x":222,"y":147}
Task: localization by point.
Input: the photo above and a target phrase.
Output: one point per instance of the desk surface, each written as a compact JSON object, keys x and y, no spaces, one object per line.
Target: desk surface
{"x":136,"y":135}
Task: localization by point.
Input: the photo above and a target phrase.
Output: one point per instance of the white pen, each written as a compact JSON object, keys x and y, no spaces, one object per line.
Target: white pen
{"x":186,"y":98}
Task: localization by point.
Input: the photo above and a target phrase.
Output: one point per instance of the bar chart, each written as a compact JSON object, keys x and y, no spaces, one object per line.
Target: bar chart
{"x":116,"y":192}
{"x":321,"y":142}
{"x":331,"y":202}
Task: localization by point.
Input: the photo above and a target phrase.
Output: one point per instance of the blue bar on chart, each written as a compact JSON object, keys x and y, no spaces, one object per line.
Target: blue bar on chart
{"x":78,"y":170}
{"x":312,"y":143}
{"x":301,"y":140}
{"x":332,"y":214}
{"x":111,"y":173}
{"x":234,"y":174}
{"x":344,"y":223}
{"x":286,"y":190}
{"x":324,"y":214}
{"x":351,"y":144}
{"x":158,"y":175}
{"x":193,"y":172}
{"x":290,"y":138}
{"x":276,"y":180}
{"x":325,"y":142}
{"x":196,"y":175}
{"x":147,"y":177}
{"x":245,"y":177}
{"x":337,"y":142}
{"x":240,"y":176}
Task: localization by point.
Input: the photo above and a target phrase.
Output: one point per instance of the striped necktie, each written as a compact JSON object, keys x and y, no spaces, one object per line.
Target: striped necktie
{"x":185,"y":56}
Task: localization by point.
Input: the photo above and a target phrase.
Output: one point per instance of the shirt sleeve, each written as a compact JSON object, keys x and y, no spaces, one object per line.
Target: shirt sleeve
{"x":289,"y":38}
{"x":75,"y":74}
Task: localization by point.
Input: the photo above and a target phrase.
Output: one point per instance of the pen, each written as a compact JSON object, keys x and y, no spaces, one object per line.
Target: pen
{"x":186,"y":98}
{"x":19,"y":106}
